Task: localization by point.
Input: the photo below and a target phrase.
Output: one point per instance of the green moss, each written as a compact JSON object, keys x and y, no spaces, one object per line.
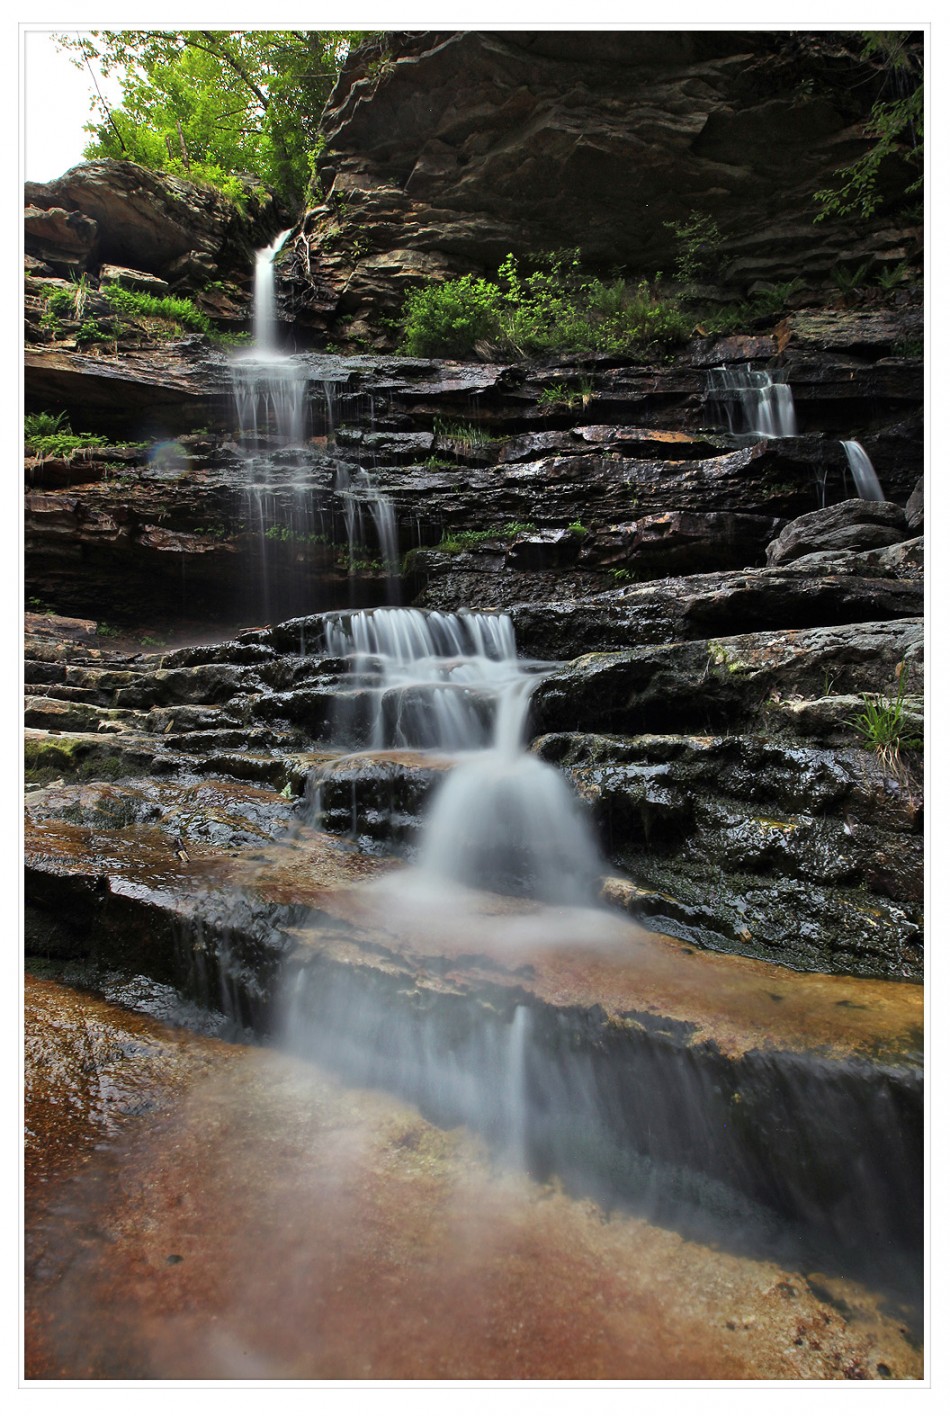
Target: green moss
{"x":724,"y":658}
{"x":47,"y":759}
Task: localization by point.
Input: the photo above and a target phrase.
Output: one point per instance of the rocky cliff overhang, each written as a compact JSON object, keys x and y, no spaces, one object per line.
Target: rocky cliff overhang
{"x":112,"y":211}
{"x":447,"y":150}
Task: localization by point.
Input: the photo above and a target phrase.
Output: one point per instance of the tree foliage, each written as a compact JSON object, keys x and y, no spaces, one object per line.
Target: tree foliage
{"x":895,"y":129}
{"x":210,"y":104}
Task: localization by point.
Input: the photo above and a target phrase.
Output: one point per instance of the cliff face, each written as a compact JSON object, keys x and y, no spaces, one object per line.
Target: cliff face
{"x":721,"y":598}
{"x":445,"y":151}
{"x":109,"y":211}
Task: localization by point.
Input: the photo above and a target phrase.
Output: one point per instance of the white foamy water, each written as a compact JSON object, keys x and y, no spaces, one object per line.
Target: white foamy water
{"x":752,"y":401}
{"x":865,"y":479}
{"x":502,"y":820}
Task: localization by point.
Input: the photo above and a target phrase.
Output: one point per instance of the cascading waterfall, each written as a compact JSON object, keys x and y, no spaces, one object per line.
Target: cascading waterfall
{"x":505,"y":868}
{"x":752,"y":401}
{"x":265,"y":298}
{"x":502,"y":820}
{"x":295,"y":498}
{"x":862,"y":471}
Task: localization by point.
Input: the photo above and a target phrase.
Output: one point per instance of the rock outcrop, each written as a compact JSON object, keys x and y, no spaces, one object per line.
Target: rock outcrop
{"x":715,"y":609}
{"x":447,"y":150}
{"x":110,"y":211}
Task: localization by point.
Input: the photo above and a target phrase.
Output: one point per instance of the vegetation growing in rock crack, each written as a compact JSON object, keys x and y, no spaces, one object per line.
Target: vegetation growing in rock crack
{"x":49,"y":435}
{"x":554,"y":304}
{"x":884,"y":724}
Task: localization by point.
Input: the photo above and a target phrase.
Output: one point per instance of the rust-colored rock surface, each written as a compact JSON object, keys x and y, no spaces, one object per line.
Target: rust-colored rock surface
{"x":255,"y":1220}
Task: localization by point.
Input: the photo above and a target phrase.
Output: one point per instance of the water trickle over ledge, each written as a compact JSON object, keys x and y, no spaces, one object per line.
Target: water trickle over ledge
{"x":486,"y":982}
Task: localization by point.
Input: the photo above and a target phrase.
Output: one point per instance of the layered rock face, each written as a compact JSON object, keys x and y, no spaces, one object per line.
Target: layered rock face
{"x":446,"y":151}
{"x":721,"y":651}
{"x":723,"y":603}
{"x":108,"y":211}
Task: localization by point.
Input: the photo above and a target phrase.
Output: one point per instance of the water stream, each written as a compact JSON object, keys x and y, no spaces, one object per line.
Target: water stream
{"x":300,"y":497}
{"x":753,"y":401}
{"x":865,"y":479}
{"x":482,"y":981}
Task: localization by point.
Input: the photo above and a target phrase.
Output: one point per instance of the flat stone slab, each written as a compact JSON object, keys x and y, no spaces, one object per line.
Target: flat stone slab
{"x":254,"y":1219}
{"x":465,"y":940}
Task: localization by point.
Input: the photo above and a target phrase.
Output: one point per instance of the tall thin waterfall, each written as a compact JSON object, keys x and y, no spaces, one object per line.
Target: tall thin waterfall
{"x":753,"y":402}
{"x":270,"y":388}
{"x":502,"y":820}
{"x":265,"y":301}
{"x":862,"y":471}
{"x":298,"y":498}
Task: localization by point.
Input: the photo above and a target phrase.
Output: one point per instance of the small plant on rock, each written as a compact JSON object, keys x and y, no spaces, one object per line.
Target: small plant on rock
{"x":697,"y":242}
{"x":884,"y":724}
{"x":49,"y":435}
{"x":465,"y":435}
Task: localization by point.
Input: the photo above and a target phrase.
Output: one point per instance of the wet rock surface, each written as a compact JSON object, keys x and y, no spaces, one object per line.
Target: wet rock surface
{"x":211,"y":812}
{"x":403,"y":1251}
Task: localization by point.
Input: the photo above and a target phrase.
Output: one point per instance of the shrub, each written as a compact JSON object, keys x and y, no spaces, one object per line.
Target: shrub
{"x":554,"y":307}
{"x":697,"y":243}
{"x":448,"y":320}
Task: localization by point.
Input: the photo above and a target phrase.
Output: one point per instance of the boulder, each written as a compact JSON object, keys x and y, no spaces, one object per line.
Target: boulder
{"x":150,"y":220}
{"x":704,"y":684}
{"x":133,"y":280}
{"x":853,"y":525}
{"x":914,"y":510}
{"x":55,"y":234}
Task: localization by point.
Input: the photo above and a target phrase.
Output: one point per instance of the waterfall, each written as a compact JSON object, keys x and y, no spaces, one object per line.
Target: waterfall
{"x":265,"y":298}
{"x":502,"y":820}
{"x":863,"y":473}
{"x":296,"y":498}
{"x":270,"y":388}
{"x":751,"y":401}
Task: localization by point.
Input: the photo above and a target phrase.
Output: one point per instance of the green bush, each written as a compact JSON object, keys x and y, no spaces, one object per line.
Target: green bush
{"x":697,"y":243}
{"x":554,"y":307}
{"x":448,"y":320}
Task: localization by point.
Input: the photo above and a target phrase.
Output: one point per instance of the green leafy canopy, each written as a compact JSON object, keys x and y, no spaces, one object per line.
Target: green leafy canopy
{"x":212,"y":104}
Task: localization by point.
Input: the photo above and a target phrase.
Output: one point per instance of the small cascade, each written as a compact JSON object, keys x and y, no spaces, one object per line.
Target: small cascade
{"x":865,"y":479}
{"x":751,"y":401}
{"x":423,"y":681}
{"x":370,"y":518}
{"x":503,"y":820}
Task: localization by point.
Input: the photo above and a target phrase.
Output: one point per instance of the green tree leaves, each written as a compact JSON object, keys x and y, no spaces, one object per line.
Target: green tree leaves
{"x":211,"y":104}
{"x":895,"y":129}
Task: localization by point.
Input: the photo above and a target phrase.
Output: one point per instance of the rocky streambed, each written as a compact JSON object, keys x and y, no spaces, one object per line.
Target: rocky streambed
{"x":712,"y":1056}
{"x":367,"y":1243}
